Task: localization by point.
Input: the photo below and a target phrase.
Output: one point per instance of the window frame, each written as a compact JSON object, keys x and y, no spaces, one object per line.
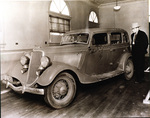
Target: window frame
{"x":120,"y":41}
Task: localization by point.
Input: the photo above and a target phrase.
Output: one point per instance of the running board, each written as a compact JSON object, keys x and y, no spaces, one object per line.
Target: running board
{"x":111,"y":74}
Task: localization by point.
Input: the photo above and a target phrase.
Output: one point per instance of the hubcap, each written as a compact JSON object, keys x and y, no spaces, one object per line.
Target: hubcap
{"x":129,"y":69}
{"x":60,"y":89}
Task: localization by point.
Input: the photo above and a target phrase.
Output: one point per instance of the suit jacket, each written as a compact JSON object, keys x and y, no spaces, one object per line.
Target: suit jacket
{"x":141,"y":43}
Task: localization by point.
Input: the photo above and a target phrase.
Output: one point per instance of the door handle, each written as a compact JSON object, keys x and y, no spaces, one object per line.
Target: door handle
{"x":91,"y":50}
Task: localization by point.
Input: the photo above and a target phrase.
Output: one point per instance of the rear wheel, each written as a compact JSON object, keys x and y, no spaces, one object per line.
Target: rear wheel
{"x":61,"y":92}
{"x":129,"y":69}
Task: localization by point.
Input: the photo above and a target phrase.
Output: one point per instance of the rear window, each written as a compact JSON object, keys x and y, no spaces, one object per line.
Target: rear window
{"x":115,"y":38}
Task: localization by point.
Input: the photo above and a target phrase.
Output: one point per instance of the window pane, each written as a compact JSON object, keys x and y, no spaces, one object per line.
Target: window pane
{"x":96,"y":20}
{"x":66,"y":22}
{"x":99,"y":39}
{"x":61,"y":4}
{"x":53,"y":7}
{"x":54,"y":26}
{"x":115,"y":38}
{"x":54,"y":20}
{"x":65,"y":11}
{"x":61,"y":28}
{"x":90,"y":18}
{"x":61,"y":21}
{"x":66,"y":28}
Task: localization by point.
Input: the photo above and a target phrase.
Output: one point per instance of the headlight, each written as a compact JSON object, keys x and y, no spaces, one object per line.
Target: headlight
{"x":24,"y":60}
{"x":45,"y":61}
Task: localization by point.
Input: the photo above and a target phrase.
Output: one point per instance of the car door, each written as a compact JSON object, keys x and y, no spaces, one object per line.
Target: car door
{"x":116,"y":49}
{"x":96,"y":61}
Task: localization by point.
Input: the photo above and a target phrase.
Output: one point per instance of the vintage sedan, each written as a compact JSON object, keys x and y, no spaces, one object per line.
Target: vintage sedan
{"x":86,"y":56}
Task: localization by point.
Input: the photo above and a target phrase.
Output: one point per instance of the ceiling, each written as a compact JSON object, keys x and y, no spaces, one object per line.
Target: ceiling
{"x":99,"y":2}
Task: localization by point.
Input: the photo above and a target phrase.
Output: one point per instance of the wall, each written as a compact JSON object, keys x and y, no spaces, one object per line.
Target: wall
{"x":130,"y":12}
{"x":25,"y":23}
{"x":80,"y":14}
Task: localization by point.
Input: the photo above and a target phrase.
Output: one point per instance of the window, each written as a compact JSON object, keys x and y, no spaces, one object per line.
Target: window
{"x":99,"y":39}
{"x":115,"y":38}
{"x":59,"y":6}
{"x":93,"y":17}
{"x":59,"y":25}
{"x":59,"y":18}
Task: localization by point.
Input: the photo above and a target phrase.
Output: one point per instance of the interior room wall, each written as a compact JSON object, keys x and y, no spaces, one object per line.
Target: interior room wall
{"x":80,"y":11}
{"x":26,"y":23}
{"x":130,"y":12}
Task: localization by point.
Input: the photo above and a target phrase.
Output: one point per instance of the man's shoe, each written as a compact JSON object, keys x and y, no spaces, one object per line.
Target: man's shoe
{"x":142,"y":81}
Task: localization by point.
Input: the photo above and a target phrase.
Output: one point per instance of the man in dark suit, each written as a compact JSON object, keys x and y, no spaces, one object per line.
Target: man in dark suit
{"x":139,"y":42}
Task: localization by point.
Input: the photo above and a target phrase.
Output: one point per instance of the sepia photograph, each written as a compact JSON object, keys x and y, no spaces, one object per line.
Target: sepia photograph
{"x":75,"y":58}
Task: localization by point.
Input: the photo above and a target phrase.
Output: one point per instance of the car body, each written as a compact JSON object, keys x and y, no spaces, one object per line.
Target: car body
{"x":87,"y":56}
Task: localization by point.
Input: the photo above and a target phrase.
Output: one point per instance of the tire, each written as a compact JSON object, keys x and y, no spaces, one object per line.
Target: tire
{"x":61,"y":92}
{"x":129,"y":69}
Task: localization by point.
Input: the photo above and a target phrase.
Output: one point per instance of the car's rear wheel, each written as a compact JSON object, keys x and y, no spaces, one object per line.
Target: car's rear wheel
{"x":61,"y":92}
{"x":129,"y":69}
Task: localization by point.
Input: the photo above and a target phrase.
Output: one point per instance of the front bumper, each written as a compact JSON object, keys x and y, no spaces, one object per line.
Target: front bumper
{"x":9,"y":83}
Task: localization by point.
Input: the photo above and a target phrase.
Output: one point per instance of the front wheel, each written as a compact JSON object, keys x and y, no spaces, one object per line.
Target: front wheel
{"x":61,"y":92}
{"x":129,"y":69}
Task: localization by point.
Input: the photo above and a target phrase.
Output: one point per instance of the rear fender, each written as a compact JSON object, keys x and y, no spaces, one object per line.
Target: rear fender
{"x":51,"y":72}
{"x":123,"y":60}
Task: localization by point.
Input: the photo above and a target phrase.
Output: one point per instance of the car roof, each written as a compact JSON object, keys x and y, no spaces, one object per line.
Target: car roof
{"x":88,"y":30}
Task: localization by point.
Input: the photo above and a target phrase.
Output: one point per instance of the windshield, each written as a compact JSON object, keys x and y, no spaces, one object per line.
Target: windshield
{"x":75,"y":38}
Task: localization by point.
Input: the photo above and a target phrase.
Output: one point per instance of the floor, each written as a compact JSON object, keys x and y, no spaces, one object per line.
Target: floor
{"x":112,"y":98}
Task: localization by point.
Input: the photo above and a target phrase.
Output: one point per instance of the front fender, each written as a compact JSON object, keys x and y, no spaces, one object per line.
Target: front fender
{"x":16,"y":73}
{"x":51,"y":72}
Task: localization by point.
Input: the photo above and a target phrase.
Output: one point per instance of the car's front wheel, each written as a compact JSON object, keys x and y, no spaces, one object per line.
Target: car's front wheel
{"x":129,"y":69}
{"x":61,"y":92}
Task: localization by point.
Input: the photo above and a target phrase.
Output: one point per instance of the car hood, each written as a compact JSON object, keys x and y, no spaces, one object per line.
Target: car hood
{"x":62,"y":48}
{"x":68,"y":54}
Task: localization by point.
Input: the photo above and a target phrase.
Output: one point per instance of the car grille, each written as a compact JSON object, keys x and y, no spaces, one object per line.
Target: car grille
{"x":34,"y":64}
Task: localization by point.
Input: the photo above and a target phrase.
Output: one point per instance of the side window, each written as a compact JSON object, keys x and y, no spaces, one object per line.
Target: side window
{"x":100,"y":39}
{"x":115,"y":38}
